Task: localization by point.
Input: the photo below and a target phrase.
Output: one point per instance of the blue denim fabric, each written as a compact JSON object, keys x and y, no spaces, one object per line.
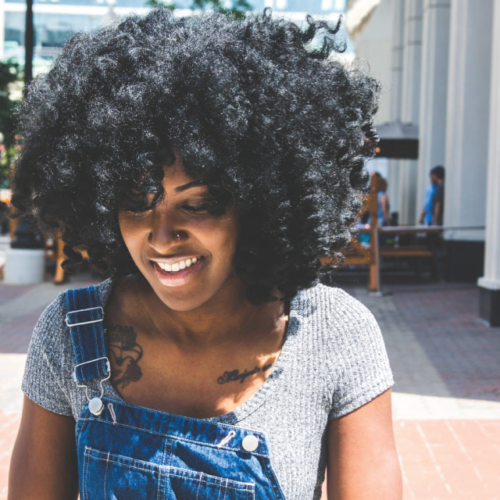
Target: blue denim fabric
{"x":131,"y":452}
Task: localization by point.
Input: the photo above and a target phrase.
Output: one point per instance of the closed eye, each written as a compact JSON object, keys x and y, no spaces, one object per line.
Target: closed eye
{"x":196,"y":208}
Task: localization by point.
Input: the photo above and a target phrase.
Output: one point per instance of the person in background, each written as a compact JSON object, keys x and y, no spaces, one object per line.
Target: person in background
{"x":437,"y":211}
{"x":384,"y":218}
{"x":426,"y":217}
{"x":437,"y":206}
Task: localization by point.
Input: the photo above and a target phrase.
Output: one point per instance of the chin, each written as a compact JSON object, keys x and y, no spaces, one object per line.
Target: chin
{"x":187,"y":297}
{"x":192,"y":294}
{"x":180,"y":302}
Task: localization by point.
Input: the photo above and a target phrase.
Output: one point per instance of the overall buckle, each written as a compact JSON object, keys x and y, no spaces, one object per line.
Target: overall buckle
{"x":85,"y":322}
{"x":96,"y":405}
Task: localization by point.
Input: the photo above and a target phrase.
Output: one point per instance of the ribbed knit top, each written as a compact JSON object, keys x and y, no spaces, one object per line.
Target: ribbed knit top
{"x":333,"y":361}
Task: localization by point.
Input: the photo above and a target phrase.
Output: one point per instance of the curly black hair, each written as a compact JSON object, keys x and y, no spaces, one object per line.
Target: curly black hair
{"x":277,"y":127}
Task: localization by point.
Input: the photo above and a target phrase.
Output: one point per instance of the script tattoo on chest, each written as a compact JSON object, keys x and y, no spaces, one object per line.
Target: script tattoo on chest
{"x":235,"y":375}
{"x":126,"y":354}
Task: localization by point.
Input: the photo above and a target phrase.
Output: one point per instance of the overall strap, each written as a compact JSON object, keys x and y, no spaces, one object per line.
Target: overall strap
{"x":85,"y":321}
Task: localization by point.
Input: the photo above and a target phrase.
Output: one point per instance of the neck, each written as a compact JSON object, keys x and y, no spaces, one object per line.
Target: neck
{"x":224,"y":318}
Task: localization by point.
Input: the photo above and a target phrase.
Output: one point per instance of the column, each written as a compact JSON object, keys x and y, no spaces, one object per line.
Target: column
{"x":490,"y":283}
{"x":467,"y":131}
{"x":410,"y":105}
{"x":433,"y":93}
{"x":396,"y":90}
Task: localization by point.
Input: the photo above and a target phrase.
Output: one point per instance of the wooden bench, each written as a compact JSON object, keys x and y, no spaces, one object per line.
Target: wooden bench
{"x":54,"y":252}
{"x":357,"y":254}
{"x":372,"y":255}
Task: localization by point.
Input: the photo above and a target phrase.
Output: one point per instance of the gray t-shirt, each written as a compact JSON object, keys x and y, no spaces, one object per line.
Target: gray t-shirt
{"x":332,"y":362}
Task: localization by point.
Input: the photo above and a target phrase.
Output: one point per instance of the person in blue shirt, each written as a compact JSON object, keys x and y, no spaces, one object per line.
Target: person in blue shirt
{"x":383,"y":204}
{"x":435,"y":174}
{"x":437,"y":206}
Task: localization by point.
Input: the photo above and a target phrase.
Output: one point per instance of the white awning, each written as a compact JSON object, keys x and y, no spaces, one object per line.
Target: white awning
{"x":358,"y":14}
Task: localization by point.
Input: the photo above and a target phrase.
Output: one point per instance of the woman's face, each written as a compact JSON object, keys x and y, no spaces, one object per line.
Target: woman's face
{"x":186,"y":254}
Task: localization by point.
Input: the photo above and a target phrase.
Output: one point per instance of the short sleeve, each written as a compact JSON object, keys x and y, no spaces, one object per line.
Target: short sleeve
{"x":363,"y":369}
{"x":43,"y":380}
{"x":439,"y":194}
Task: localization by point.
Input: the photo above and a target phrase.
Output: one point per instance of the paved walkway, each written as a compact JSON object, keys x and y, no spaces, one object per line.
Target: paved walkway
{"x":446,"y":398}
{"x":447,"y":392}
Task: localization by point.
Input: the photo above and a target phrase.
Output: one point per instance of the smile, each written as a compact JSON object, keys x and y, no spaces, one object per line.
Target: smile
{"x":178,"y":266}
{"x":177,"y":273}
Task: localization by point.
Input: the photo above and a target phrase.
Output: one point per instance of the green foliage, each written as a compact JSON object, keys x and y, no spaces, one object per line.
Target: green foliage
{"x":236,"y":11}
{"x":160,"y":3}
{"x":9,"y":73}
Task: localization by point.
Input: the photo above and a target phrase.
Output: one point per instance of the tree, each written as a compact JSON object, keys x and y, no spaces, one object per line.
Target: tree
{"x":9,"y":73}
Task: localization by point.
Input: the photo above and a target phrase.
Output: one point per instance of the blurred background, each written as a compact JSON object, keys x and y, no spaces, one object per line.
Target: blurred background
{"x":426,"y":257}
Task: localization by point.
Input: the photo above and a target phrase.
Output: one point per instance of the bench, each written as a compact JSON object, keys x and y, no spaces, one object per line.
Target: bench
{"x":372,"y":255}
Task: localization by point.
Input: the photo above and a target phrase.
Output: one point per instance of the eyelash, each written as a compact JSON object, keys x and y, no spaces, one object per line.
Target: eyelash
{"x":196,"y":208}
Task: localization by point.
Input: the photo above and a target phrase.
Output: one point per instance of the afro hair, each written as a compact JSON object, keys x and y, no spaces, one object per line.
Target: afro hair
{"x":271,"y":119}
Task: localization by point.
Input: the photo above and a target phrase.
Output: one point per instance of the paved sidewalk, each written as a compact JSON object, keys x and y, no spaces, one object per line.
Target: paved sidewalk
{"x":446,"y":398}
{"x":447,"y":392}
{"x":445,"y":360}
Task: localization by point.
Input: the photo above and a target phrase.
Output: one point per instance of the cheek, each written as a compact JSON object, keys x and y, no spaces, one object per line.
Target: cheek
{"x":225,"y":238}
{"x":219,"y":240}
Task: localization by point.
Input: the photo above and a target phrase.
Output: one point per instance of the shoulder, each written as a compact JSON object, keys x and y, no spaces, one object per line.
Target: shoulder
{"x":46,"y":366}
{"x":50,"y":330}
{"x":50,"y":362}
{"x":349,"y":346}
{"x":439,"y":192}
{"x":335,"y":314}
{"x":50,"y":326}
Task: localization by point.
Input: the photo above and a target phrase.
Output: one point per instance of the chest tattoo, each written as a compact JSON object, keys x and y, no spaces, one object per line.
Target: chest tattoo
{"x":126,"y":354}
{"x":235,"y":375}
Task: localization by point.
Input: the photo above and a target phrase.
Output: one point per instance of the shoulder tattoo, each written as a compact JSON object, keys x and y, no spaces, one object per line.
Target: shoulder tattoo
{"x":126,"y":353}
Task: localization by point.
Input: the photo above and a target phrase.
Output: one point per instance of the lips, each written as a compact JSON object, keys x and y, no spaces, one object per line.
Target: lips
{"x":180,"y":277}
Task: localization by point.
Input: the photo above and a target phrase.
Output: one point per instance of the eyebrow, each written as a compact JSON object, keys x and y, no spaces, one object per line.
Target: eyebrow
{"x":189,"y":185}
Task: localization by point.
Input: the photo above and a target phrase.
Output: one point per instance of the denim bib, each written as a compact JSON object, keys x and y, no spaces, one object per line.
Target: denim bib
{"x":128,"y":452}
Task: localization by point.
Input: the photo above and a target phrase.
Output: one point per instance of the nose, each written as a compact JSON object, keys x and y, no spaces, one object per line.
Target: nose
{"x":165,"y":233}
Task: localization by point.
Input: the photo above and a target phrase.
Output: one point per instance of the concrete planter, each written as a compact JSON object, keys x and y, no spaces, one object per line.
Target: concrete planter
{"x":23,"y":266}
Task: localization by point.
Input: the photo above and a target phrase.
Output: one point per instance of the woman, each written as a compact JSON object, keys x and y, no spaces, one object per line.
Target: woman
{"x":204,"y":164}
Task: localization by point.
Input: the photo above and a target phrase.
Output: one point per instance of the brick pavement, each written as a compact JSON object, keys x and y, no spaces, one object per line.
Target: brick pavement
{"x":444,"y":358}
{"x":449,"y":459}
{"x":446,"y":398}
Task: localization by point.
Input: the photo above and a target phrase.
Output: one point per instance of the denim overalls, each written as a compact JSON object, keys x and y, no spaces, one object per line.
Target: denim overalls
{"x":130,"y":452}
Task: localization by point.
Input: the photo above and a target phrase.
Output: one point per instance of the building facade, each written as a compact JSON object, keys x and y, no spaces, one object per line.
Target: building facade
{"x":444,"y":75}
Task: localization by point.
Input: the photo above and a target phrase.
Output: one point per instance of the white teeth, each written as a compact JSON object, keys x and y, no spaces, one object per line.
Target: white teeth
{"x":183,"y":264}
